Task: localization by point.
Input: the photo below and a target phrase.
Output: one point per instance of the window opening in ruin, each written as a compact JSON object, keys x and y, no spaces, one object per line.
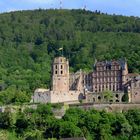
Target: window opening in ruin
{"x":55,"y":72}
{"x":110,"y":101}
{"x":118,"y":87}
{"x":117,"y":95}
{"x":109,"y":87}
{"x":113,"y":87}
{"x":61,"y":72}
{"x":61,"y":66}
{"x":55,"y":66}
{"x":99,"y":97}
{"x":117,"y":101}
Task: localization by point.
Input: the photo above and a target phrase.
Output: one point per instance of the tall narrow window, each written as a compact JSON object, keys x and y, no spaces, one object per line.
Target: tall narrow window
{"x":61,"y":66}
{"x":61,"y":72}
{"x":55,"y":66}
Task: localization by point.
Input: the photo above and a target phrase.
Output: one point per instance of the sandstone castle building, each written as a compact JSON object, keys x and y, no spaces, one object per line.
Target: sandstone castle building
{"x":109,"y":77}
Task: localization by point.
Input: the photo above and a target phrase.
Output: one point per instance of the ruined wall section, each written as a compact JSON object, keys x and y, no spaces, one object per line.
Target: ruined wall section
{"x":41,"y":96}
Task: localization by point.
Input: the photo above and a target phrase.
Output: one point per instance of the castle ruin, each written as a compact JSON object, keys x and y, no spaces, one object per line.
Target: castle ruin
{"x":107,"y":77}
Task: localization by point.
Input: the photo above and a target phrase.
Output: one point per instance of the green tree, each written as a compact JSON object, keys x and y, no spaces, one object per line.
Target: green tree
{"x":6,"y":120}
{"x":108,"y":96}
{"x":68,"y":129}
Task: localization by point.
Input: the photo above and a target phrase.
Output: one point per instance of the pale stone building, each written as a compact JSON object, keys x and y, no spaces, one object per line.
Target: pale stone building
{"x":109,"y":75}
{"x":61,"y":91}
{"x":106,"y":76}
{"x":134,"y":89}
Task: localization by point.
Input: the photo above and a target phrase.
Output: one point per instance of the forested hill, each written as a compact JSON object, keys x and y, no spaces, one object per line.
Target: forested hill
{"x":29,"y":40}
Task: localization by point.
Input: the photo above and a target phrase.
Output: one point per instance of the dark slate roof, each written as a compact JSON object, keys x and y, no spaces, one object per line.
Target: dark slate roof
{"x":121,"y":62}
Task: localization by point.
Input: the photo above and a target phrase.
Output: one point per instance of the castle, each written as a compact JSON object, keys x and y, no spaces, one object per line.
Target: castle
{"x":107,"y":77}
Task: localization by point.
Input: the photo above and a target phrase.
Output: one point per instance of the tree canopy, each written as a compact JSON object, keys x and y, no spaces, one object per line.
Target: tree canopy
{"x":35,"y":124}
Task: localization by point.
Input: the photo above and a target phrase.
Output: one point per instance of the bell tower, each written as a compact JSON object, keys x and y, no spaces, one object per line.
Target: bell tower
{"x":60,"y":78}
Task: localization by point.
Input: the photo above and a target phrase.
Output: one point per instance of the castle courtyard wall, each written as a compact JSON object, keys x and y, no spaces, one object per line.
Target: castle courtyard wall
{"x":56,"y":97}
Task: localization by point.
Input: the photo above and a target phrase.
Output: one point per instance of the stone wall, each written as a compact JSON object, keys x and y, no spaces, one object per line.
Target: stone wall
{"x":135,"y":91}
{"x":108,"y":107}
{"x":45,"y":96}
{"x":58,"y":97}
{"x":100,"y":98}
{"x":41,"y":96}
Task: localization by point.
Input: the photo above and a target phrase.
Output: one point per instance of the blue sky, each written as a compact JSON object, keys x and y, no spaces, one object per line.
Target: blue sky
{"x":123,"y":7}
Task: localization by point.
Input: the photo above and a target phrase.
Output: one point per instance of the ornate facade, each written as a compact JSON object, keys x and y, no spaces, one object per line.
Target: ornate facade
{"x":109,"y":75}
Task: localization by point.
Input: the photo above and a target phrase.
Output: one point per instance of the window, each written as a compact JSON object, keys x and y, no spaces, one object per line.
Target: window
{"x":117,"y":100}
{"x":61,"y":66}
{"x":117,"y":95}
{"x":99,"y":97}
{"x":61,"y":72}
{"x":55,"y":66}
{"x":113,"y":87}
{"x":55,"y":72}
{"x":100,"y":73}
{"x":109,"y":87}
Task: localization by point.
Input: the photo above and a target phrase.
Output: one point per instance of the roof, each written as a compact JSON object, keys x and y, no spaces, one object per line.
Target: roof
{"x":120,"y":62}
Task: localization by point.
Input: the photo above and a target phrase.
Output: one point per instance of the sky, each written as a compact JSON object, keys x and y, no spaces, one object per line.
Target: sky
{"x":118,"y":7}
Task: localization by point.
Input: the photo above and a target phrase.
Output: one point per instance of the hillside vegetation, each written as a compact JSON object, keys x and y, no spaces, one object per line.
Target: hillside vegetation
{"x":41,"y":124}
{"x":29,"y":40}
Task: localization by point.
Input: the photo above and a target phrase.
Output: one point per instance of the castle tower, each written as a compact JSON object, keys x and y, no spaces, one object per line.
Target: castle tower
{"x":60,"y":78}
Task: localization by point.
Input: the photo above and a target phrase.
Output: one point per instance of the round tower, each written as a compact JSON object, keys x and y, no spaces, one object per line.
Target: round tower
{"x":60,"y":78}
